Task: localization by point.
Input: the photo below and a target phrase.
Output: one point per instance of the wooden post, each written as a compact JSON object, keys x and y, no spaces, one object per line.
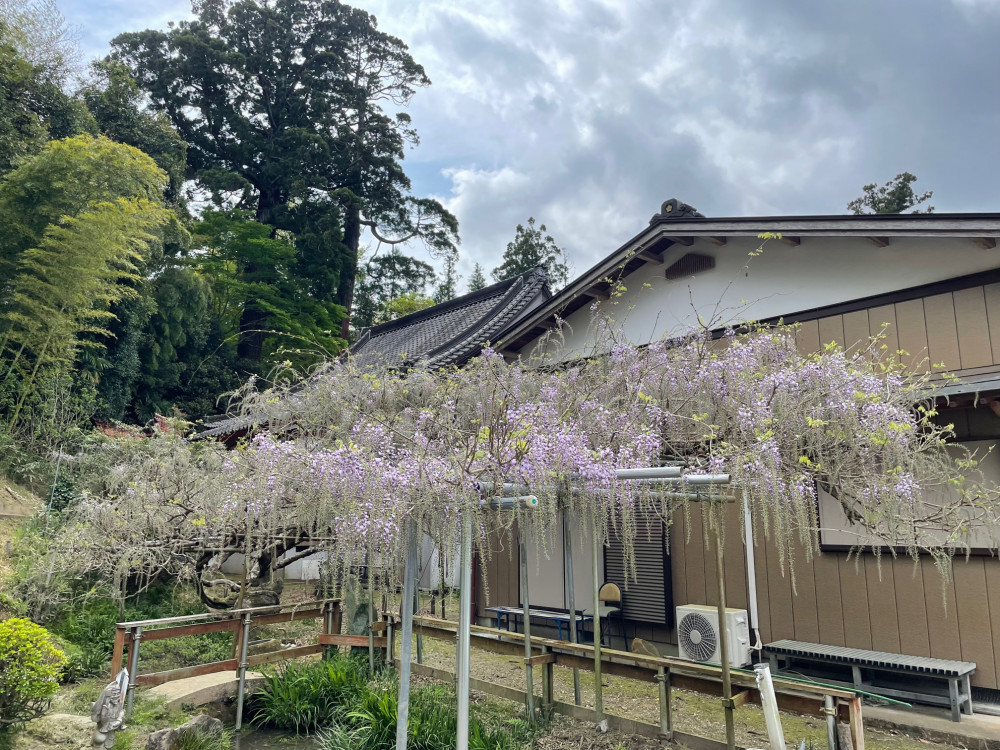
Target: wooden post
{"x":116,"y":651}
{"x":666,"y":711}
{"x":857,"y":726}
{"x":548,"y":693}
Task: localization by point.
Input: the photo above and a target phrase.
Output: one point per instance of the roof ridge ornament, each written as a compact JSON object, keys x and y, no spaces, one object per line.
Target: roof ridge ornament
{"x":674,"y":209}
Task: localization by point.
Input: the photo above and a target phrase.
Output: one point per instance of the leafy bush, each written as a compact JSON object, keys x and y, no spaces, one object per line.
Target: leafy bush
{"x":433,"y":724}
{"x":310,"y":695}
{"x":29,"y":671}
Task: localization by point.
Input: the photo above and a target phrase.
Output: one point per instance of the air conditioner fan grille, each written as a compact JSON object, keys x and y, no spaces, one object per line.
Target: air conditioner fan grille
{"x":697,"y":637}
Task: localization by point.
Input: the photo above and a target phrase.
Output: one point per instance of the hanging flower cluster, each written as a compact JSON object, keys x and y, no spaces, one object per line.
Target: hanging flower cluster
{"x":345,"y":458}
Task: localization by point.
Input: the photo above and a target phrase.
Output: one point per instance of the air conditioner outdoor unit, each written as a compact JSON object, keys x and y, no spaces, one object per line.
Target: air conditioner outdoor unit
{"x":698,"y":634}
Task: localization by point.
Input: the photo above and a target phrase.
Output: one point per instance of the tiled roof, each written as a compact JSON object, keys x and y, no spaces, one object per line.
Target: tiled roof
{"x":454,"y":331}
{"x":447,"y":334}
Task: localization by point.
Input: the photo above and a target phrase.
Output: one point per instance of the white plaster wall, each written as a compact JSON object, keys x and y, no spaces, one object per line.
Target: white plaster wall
{"x":780,"y":281}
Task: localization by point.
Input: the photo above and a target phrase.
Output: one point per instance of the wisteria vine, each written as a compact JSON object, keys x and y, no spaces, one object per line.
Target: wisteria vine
{"x":344,"y":458}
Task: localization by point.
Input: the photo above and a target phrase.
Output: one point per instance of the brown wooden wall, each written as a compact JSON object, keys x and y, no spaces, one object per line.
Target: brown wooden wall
{"x":960,"y":329}
{"x":892,"y":605}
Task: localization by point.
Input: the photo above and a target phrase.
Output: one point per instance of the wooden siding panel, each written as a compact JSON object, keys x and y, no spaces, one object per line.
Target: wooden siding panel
{"x":992,"y":294}
{"x":829,"y":604}
{"x":882,"y":322}
{"x":779,"y":588}
{"x":807,"y":336}
{"x":678,"y":560}
{"x":763,"y":597}
{"x":736,"y":561}
{"x":708,"y":547}
{"x":911,"y":607}
{"x":854,"y":590}
{"x":882,"y":603}
{"x":804,"y":608}
{"x":992,"y":568}
{"x":942,"y":331}
{"x":973,"y":610}
{"x":942,"y":620}
{"x":912,"y":331}
{"x":856,"y":330}
{"x":831,"y":329}
{"x":973,"y":328}
{"x":694,"y":553}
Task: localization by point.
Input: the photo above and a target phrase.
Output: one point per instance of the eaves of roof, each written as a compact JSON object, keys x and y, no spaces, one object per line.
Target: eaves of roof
{"x":665,"y":231}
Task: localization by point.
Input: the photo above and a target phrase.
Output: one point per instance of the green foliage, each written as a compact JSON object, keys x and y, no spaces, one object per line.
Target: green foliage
{"x":327,"y":162}
{"x":63,"y":288}
{"x":65,"y":179}
{"x":308,"y":696}
{"x":894,"y":197}
{"x":253,"y":268}
{"x":382,"y":280}
{"x":477,"y":280}
{"x":114,"y":99}
{"x":33,"y":106}
{"x":532,"y":248}
{"x":433,"y":723}
{"x":448,"y":287}
{"x":30,"y":666}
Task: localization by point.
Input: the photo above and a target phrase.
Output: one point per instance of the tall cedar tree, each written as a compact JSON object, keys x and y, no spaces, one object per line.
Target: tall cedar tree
{"x":384,"y":278}
{"x":894,"y":197}
{"x":477,"y":280}
{"x":532,"y":247}
{"x":283,"y":104}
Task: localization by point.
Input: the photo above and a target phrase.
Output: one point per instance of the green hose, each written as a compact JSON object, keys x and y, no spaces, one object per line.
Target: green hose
{"x":805,"y":681}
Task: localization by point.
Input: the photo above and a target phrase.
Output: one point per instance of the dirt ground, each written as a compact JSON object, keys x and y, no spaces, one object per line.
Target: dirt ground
{"x":693,"y":713}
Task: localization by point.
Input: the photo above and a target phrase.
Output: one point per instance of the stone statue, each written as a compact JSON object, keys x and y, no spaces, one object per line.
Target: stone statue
{"x":108,"y":712}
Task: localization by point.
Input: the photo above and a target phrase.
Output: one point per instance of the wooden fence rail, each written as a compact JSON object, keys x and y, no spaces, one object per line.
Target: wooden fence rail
{"x":803,"y":698}
{"x":129,"y":636}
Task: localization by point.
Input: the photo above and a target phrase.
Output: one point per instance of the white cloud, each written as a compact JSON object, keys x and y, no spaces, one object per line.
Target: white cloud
{"x":587,"y":114}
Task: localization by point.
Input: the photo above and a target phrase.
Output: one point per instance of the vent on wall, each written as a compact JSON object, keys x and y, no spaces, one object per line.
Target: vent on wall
{"x":689,"y":265}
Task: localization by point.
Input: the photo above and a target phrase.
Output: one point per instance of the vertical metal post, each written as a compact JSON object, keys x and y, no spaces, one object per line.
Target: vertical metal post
{"x":598,"y":679}
{"x":529,"y":696}
{"x":371,"y":621}
{"x":570,"y":597}
{"x":464,"y":631}
{"x":751,"y":572}
{"x":133,"y":670}
{"x":830,"y":709}
{"x":241,"y":692}
{"x":406,"y":646}
{"x":416,"y":611}
{"x":666,"y":711}
{"x":727,"y":685}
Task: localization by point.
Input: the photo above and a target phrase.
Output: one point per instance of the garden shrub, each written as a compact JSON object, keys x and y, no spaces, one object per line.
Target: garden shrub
{"x":30,"y":666}
{"x":306,"y":696}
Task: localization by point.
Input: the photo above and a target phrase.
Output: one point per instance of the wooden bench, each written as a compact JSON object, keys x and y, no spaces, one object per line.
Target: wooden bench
{"x":864,"y":666}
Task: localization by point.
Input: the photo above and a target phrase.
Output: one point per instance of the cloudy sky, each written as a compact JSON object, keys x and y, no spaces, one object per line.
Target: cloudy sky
{"x":587,"y":114}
